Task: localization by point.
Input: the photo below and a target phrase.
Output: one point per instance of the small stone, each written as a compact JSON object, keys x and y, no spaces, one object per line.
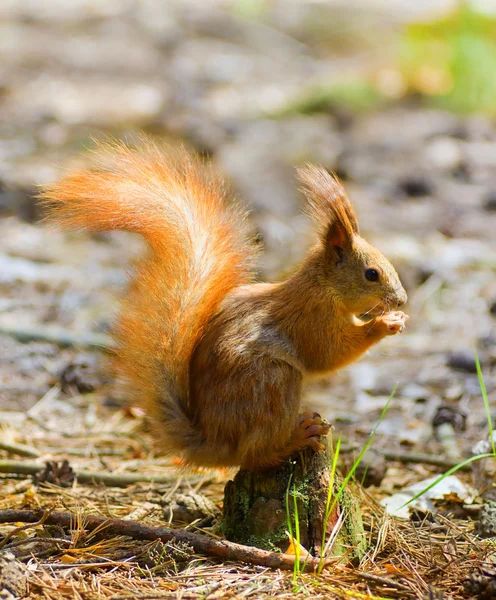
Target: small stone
{"x":81,"y":374}
{"x":454,"y":392}
{"x":488,"y":341}
{"x":461,"y":172}
{"x":415,"y":186}
{"x":462,"y":361}
{"x":13,"y":575}
{"x":490,"y":201}
{"x":444,"y":153}
{"x":492,"y":308}
{"x":452,"y":416}
{"x":415,"y":392}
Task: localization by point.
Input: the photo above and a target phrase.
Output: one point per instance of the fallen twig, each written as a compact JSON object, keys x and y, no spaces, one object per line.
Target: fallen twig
{"x":19,"y":449}
{"x":29,"y":452}
{"x":43,"y":516}
{"x":58,"y":336}
{"x":201,"y":591}
{"x":39,"y":540}
{"x":18,"y":467}
{"x":101,"y":564}
{"x":422,"y":458}
{"x":138,"y":531}
{"x":411,"y":457}
{"x":382,"y":581}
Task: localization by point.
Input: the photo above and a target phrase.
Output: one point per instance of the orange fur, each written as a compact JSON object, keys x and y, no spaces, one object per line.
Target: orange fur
{"x":199,"y":252}
{"x":327,"y":200}
{"x":218,"y":361}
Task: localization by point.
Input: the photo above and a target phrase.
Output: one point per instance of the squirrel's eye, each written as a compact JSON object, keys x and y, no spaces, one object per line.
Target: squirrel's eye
{"x":371,"y":275}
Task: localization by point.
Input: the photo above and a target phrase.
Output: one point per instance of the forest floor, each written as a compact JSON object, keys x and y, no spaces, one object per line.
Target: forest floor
{"x":424,"y":184}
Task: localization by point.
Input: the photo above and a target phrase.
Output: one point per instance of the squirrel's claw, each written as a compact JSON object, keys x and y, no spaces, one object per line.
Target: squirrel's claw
{"x":310,"y":427}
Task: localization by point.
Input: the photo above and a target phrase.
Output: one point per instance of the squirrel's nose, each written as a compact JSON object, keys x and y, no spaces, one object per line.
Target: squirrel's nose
{"x":402,"y":299}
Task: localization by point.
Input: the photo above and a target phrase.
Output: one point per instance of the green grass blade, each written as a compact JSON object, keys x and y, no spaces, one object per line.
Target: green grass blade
{"x":487,"y":408}
{"x":288,"y":514}
{"x":297,"y":566}
{"x":366,"y":446}
{"x":449,"y":472}
{"x":330,"y":506}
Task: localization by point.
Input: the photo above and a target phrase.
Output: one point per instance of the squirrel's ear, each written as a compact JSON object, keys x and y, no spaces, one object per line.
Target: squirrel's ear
{"x":328,"y":205}
{"x":336,"y":236}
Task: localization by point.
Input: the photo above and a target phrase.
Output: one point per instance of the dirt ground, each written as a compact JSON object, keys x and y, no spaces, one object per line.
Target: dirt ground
{"x":212,"y":76}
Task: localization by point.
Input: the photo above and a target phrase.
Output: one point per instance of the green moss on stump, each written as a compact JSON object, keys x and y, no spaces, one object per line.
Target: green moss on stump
{"x":255,"y":508}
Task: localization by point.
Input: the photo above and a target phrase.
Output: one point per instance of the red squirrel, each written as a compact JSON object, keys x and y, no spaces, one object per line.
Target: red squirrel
{"x":217,"y":359}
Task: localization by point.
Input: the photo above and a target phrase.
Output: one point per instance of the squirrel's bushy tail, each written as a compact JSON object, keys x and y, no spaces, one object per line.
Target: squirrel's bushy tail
{"x":199,"y":251}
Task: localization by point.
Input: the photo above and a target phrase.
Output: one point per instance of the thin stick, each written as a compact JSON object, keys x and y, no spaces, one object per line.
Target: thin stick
{"x":39,"y":540}
{"x":410,"y":457}
{"x":377,"y":579}
{"x":200,"y":543}
{"x":422,"y":458}
{"x":19,"y":449}
{"x":61,"y":337}
{"x":18,"y":467}
{"x":202,"y":591}
{"x":42,"y":519}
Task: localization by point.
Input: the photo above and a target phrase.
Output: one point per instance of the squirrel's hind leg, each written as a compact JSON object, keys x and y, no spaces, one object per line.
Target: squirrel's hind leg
{"x":306,"y":435}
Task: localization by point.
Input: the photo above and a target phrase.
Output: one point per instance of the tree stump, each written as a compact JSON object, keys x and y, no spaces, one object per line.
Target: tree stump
{"x":261,"y":508}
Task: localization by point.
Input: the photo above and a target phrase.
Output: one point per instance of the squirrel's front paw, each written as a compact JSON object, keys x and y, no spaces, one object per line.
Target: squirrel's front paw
{"x":389,"y":324}
{"x":310,"y":428}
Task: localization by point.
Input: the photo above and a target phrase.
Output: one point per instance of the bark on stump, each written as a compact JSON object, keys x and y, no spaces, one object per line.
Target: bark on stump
{"x":259,"y":506}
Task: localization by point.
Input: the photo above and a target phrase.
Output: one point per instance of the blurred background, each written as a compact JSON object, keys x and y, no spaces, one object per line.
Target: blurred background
{"x":398,"y":98}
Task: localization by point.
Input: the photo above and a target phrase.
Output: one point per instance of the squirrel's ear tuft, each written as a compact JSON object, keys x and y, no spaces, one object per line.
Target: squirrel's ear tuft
{"x":328,"y":205}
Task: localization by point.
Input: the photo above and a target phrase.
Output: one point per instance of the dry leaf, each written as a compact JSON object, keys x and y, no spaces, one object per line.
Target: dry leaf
{"x":66,"y":558}
{"x":294,"y":546}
